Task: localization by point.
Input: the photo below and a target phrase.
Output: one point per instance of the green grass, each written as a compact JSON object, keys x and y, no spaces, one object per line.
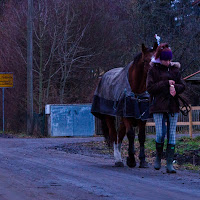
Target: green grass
{"x":186,"y":144}
{"x":183,"y":146}
{"x":191,"y":167}
{"x":150,"y":144}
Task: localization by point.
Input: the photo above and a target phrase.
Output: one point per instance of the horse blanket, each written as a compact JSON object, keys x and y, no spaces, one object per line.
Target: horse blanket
{"x":114,"y":96}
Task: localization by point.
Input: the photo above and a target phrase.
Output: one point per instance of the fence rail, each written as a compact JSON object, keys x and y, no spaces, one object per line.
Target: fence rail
{"x":190,"y":122}
{"x":186,"y":120}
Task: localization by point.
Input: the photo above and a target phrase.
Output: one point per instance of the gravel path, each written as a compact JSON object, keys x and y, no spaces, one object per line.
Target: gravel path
{"x":32,"y":169}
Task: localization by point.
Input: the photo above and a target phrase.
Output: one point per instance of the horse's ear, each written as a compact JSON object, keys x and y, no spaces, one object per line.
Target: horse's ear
{"x":144,"y":49}
{"x":155,"y":46}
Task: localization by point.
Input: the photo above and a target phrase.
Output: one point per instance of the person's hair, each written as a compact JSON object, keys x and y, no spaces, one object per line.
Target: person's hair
{"x":162,"y":47}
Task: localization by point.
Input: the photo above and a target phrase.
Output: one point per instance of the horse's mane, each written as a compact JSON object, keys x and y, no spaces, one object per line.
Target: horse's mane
{"x":137,"y":58}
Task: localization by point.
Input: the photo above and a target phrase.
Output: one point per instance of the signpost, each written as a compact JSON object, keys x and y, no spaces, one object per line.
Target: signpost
{"x":6,"y":81}
{"x":30,"y":68}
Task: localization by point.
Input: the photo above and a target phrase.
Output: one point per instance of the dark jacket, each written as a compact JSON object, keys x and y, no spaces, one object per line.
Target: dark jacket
{"x":158,"y":87}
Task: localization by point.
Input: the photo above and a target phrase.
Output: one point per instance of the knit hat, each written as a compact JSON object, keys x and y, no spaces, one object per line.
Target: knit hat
{"x":163,"y":52}
{"x":166,"y":54}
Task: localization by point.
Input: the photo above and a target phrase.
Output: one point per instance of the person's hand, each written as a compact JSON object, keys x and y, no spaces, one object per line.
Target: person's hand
{"x":172,"y":90}
{"x":171,"y":82}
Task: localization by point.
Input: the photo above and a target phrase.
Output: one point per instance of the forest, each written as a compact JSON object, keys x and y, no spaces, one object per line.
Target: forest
{"x":76,"y":41}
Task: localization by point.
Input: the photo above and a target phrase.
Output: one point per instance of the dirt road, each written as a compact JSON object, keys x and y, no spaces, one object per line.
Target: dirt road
{"x":30,"y":169}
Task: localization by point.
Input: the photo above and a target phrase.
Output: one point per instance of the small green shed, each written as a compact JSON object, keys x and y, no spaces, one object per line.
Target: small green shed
{"x":193,"y":88}
{"x":195,"y":77}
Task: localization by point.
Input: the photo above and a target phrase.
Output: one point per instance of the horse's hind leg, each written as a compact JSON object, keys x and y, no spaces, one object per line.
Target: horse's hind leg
{"x":142,"y":137}
{"x":131,"y":138}
{"x":105,"y":131}
{"x":113,"y":137}
{"x":121,"y":134}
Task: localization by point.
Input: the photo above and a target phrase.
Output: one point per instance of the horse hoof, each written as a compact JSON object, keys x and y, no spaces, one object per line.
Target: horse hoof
{"x":131,"y":162}
{"x":144,"y":164}
{"x":119,"y":164}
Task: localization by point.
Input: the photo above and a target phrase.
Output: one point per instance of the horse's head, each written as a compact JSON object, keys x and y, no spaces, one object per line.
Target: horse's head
{"x":147,"y":54}
{"x":138,"y":71}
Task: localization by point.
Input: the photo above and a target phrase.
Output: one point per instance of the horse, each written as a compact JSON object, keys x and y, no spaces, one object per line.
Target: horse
{"x":122,"y":92}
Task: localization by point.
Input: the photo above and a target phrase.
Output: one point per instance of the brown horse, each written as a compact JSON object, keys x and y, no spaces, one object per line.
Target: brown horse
{"x":122,"y":92}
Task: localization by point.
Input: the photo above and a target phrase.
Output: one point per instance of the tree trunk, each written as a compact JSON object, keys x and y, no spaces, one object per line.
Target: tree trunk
{"x":41,"y":74}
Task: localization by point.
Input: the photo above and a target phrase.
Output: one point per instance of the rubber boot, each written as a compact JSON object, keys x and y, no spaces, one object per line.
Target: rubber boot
{"x":170,"y":158}
{"x":159,"y":152}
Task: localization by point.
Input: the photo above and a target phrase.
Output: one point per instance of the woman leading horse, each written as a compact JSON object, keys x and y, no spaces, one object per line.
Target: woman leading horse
{"x":122,"y":92}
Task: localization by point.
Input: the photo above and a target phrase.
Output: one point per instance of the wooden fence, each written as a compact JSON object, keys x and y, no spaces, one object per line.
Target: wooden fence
{"x":185,"y":123}
{"x":192,"y":121}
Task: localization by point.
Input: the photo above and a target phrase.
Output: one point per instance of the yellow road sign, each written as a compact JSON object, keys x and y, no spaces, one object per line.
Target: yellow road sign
{"x":6,"y":80}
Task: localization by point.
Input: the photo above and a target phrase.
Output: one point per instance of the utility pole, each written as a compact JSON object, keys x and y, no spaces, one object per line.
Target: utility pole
{"x":30,"y":68}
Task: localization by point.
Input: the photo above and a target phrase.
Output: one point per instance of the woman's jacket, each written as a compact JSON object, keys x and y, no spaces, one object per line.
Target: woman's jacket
{"x":158,"y":87}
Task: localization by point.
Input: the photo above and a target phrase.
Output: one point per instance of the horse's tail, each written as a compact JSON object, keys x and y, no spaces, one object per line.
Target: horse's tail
{"x":105,"y":131}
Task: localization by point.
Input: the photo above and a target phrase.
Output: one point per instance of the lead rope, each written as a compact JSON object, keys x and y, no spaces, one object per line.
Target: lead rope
{"x":186,"y":108}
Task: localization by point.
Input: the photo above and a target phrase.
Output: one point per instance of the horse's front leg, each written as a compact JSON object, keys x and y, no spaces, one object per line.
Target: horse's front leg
{"x":142,"y":137}
{"x":131,"y":138}
{"x":113,"y":137}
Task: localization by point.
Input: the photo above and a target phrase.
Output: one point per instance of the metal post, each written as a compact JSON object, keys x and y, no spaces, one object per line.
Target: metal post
{"x":190,"y":122}
{"x":30,"y":68}
{"x":3,"y":108}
